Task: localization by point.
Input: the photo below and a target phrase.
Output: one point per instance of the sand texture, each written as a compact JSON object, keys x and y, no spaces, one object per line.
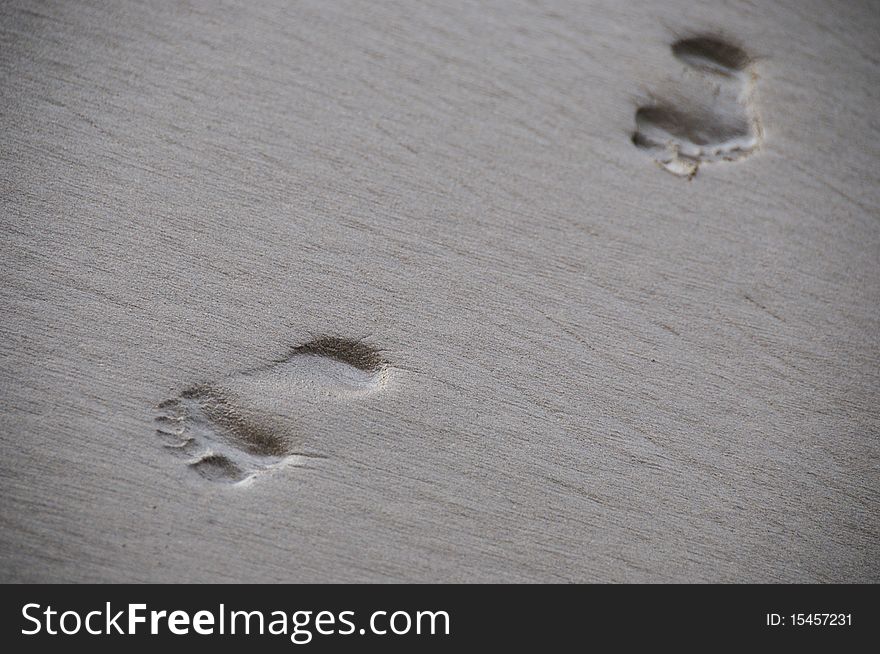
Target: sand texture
{"x":517,"y":290}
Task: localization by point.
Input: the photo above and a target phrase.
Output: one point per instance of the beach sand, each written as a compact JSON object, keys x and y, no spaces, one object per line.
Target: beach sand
{"x":449,"y":291}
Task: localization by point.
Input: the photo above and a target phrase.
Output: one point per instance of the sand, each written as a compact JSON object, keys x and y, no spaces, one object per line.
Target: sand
{"x":425,"y":305}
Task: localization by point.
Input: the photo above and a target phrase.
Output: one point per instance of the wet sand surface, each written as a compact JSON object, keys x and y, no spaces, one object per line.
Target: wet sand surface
{"x":449,"y":291}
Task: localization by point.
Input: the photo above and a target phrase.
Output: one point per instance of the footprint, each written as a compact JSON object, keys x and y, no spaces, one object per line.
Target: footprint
{"x":710,"y":115}
{"x":230,"y":431}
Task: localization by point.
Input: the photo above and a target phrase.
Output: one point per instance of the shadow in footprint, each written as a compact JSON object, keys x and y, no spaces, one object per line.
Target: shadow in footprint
{"x":712,"y":118}
{"x":224,"y":438}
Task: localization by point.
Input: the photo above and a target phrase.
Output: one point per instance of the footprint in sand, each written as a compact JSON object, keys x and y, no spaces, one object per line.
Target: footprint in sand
{"x":709,"y":115}
{"x":228,"y":431}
